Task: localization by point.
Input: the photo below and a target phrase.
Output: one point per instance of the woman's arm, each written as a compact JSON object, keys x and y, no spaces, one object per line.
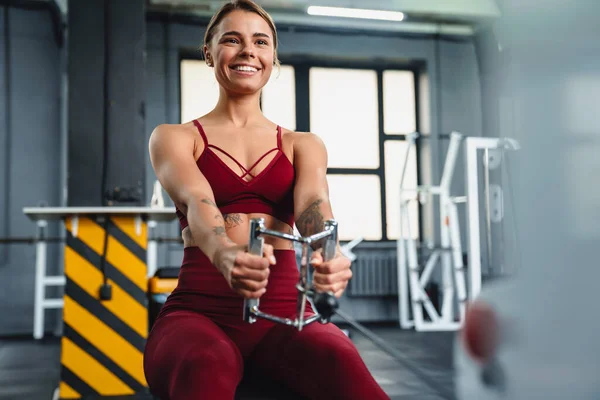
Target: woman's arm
{"x":312,"y":208}
{"x":311,"y":193}
{"x":172,"y":157}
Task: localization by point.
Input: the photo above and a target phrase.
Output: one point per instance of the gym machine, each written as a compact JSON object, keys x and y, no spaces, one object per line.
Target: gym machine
{"x":458,"y":286}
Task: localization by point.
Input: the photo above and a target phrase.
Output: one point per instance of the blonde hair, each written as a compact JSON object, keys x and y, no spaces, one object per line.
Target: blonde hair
{"x":244,"y":5}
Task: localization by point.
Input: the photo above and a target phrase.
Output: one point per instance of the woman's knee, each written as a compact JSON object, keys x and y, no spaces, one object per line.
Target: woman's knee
{"x":330,"y":344}
{"x":212,"y":370}
{"x":212,"y":359}
{"x":339,"y":351}
{"x":188,"y":353}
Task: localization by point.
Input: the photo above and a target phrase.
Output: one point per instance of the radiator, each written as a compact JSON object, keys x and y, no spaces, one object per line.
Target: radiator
{"x":374,"y":272}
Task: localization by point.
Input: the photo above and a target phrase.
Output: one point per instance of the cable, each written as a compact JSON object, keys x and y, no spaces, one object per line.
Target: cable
{"x":105,"y":289}
{"x":106,"y":104}
{"x":104,"y":252}
{"x":445,"y":393}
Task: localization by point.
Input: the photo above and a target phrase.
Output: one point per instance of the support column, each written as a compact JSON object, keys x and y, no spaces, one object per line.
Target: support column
{"x":106,"y":164}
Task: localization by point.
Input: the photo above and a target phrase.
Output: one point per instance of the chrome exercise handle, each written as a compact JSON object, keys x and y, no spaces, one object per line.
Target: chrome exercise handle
{"x":331,"y":241}
{"x":326,"y":303}
{"x":255,"y":246}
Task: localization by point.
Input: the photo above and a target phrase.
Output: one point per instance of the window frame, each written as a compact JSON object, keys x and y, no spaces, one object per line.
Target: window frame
{"x":302,"y":70}
{"x":302,"y":66}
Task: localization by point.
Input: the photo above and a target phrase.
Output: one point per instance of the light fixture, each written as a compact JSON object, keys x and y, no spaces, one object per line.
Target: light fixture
{"x":355,"y":13}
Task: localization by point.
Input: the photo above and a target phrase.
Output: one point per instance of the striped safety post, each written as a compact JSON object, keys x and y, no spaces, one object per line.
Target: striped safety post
{"x":103,"y":340}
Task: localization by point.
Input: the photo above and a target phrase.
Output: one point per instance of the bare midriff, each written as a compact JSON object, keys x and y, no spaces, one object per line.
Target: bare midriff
{"x":237,"y":227}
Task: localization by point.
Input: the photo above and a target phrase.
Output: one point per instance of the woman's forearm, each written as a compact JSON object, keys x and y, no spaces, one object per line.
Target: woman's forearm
{"x":312,"y":218}
{"x":207,"y":226}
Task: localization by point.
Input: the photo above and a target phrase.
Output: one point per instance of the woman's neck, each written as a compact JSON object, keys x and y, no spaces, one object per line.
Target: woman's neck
{"x":239,"y":110}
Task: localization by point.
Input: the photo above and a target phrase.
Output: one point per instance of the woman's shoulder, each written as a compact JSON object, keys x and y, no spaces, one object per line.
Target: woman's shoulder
{"x":300,"y":137}
{"x":301,"y":144}
{"x":187,"y":128}
{"x":182,"y":136}
{"x":302,"y":140}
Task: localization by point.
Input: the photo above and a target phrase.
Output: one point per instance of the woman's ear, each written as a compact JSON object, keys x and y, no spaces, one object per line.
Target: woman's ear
{"x":207,"y":56}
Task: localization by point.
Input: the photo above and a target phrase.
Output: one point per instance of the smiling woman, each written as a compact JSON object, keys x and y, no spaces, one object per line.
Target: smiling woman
{"x":226,"y":48}
{"x":221,"y":170}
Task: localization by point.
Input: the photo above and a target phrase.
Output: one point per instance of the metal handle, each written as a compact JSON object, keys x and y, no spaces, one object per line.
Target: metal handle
{"x":326,"y":303}
{"x":255,"y":246}
{"x":331,"y":241}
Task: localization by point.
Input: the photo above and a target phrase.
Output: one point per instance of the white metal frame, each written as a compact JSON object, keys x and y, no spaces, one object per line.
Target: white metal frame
{"x":41,"y":303}
{"x":412,"y":296}
{"x":472,"y":145}
{"x":43,"y":215}
{"x":412,"y":283}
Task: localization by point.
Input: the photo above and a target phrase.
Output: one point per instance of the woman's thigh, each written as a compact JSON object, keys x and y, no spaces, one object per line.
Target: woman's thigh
{"x":319,"y":362}
{"x":188,"y":356}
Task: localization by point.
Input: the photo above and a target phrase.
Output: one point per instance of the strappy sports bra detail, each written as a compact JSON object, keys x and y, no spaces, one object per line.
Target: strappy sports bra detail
{"x":268,"y":192}
{"x":247,"y":171}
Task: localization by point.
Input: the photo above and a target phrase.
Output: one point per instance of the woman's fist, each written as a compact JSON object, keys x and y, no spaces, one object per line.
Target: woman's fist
{"x":246,"y":274}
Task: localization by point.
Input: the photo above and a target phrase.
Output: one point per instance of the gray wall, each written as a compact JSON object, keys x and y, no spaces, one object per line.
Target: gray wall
{"x":541,"y":82}
{"x":30,"y":154}
{"x":452,"y":92}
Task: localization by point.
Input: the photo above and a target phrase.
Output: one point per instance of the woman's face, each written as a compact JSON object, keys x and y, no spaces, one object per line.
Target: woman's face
{"x":242,"y":52}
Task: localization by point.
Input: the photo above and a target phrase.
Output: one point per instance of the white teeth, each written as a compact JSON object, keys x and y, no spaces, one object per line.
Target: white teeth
{"x":245,"y":68}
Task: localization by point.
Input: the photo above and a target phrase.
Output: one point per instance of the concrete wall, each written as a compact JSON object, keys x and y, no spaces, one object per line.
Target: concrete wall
{"x":30,"y":153}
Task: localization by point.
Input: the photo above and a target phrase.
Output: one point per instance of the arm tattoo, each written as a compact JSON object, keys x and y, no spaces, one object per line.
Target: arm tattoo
{"x":220,"y":231}
{"x":232,"y":220}
{"x":311,"y":220}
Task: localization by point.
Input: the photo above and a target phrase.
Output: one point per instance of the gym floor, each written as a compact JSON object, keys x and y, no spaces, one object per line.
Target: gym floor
{"x":30,"y":370}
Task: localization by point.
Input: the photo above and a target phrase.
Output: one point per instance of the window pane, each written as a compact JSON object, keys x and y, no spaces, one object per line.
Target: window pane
{"x":399,"y":113}
{"x":199,"y":89}
{"x":279,"y":97}
{"x":358,"y":212}
{"x":343,"y":112}
{"x":395,"y":153}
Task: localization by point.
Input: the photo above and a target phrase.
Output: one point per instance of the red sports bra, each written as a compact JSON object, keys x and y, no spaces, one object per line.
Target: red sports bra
{"x":269,"y":192}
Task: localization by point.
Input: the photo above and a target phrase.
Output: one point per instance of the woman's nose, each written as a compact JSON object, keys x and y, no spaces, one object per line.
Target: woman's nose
{"x":248,"y":50}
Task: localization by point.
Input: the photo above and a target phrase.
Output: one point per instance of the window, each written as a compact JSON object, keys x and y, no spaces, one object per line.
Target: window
{"x":364,"y":131}
{"x":199,"y":89}
{"x":399,"y":111}
{"x":358,"y":212}
{"x":279,"y":97}
{"x":345,"y":115}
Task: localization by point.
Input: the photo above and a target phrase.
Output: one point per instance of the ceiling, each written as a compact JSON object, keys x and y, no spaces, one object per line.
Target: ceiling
{"x":449,"y":17}
{"x":459,"y":17}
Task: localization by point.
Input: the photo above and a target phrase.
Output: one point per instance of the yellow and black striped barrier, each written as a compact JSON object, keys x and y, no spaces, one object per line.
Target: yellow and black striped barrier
{"x":103,"y":340}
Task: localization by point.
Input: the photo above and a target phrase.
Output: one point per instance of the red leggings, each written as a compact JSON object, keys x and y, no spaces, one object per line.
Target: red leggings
{"x":200,"y":347}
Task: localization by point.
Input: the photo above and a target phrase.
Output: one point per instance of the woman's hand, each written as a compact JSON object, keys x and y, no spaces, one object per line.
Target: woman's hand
{"x":246,"y":274}
{"x":331,"y":276}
